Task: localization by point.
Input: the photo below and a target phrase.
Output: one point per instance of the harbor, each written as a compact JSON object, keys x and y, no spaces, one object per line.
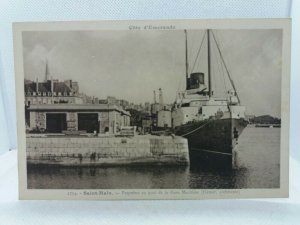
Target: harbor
{"x":259,"y":166}
{"x":68,"y":128}
{"x":208,"y":125}
{"x":107,"y":151}
{"x":191,"y":125}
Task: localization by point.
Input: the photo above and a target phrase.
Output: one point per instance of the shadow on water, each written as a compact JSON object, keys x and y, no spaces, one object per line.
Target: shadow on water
{"x":139,"y":177}
{"x":259,"y":167}
{"x":204,"y":178}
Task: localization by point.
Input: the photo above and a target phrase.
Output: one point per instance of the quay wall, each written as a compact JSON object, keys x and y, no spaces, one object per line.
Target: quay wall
{"x":105,"y":151}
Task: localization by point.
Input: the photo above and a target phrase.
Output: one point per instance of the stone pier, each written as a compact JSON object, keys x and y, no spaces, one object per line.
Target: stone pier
{"x":107,"y":151}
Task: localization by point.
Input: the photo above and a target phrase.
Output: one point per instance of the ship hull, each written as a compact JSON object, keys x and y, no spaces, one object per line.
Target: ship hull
{"x":212,"y":142}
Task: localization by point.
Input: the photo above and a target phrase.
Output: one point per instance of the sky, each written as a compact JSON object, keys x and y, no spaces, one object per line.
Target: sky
{"x":131,"y":64}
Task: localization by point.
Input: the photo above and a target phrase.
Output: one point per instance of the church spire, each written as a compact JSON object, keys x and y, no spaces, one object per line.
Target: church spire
{"x":47,"y":71}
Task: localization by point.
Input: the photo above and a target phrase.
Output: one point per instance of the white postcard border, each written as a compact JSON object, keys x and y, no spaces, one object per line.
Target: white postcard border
{"x":115,"y":194}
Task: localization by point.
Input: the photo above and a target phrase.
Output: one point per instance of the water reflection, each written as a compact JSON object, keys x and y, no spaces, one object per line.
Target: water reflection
{"x":138,"y":177}
{"x":259,"y":157}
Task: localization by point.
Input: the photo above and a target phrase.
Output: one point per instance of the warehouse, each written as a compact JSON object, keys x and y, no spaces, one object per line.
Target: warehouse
{"x":87,"y":118}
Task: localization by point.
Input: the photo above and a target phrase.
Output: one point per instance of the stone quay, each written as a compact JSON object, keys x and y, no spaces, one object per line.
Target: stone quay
{"x":106,"y":151}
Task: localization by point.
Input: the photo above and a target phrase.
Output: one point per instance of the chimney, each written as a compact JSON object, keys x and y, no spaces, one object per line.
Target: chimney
{"x":52,"y":90}
{"x":161,"y":101}
{"x":154,"y":96}
{"x":51,"y":85}
{"x":37,"y":85}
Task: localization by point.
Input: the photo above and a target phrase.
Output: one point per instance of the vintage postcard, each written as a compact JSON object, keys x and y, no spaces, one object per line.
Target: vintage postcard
{"x":171,"y":109}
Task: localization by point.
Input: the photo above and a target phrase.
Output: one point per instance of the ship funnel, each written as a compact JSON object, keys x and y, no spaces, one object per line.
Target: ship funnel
{"x":195,"y":80}
{"x":161,"y":100}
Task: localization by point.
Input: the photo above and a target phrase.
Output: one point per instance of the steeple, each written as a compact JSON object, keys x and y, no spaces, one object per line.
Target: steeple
{"x":46,"y":71}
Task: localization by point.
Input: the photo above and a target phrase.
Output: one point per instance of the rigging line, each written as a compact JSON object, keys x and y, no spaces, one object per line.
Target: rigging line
{"x":214,"y":84}
{"x":214,"y":152}
{"x":226,"y":89}
{"x":198,"y":64}
{"x":186,"y":57}
{"x":198,"y":128}
{"x":199,"y":51}
{"x":192,"y":40}
{"x":214,"y":69}
{"x":227,"y":71}
{"x":222,"y":67}
{"x":225,"y":66}
{"x":218,"y":64}
{"x":224,"y":80}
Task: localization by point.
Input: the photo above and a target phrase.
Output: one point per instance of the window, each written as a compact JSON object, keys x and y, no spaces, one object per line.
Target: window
{"x":49,"y":94}
{"x":185,"y":105}
{"x":201,"y":78}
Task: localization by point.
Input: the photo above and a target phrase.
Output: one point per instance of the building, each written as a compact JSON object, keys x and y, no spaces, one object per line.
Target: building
{"x":147,"y":107}
{"x":58,"y":118}
{"x":52,"y":92}
{"x":160,"y":112}
{"x":54,"y":106}
{"x":164,"y":119}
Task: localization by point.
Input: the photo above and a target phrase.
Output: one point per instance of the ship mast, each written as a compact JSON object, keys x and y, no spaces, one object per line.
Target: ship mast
{"x":209,"y":64}
{"x":227,"y":71}
{"x":186,"y":59}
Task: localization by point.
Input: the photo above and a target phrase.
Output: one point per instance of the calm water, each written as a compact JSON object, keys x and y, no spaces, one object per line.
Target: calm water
{"x":259,"y":156}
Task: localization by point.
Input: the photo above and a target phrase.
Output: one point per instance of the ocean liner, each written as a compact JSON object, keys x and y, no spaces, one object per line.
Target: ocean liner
{"x":211,"y":124}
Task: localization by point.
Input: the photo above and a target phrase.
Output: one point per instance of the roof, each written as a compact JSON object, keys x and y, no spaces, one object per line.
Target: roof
{"x":77,"y":107}
{"x":61,"y":87}
{"x":30,"y":87}
{"x":46,"y":87}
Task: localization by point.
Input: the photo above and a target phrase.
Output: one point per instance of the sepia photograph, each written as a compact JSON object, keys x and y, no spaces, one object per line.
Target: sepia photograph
{"x":153,"y":107}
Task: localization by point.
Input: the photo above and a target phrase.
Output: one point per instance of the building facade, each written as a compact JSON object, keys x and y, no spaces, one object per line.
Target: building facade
{"x":56,"y":106}
{"x":86,"y":118}
{"x":52,"y":92}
